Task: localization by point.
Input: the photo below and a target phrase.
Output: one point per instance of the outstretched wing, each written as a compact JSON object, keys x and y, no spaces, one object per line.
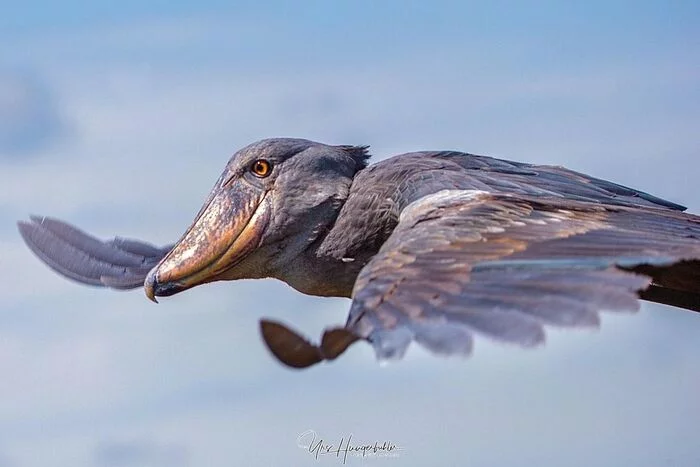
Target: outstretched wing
{"x":118,"y":263}
{"x":461,"y":263}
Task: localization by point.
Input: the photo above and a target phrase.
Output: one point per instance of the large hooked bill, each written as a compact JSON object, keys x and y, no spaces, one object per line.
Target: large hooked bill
{"x":228,"y":228}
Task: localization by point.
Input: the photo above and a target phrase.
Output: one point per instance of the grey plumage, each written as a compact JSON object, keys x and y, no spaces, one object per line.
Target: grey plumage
{"x":118,"y":263}
{"x":431,"y":246}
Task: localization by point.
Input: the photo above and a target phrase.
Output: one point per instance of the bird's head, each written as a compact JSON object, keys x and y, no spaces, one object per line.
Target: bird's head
{"x":273,"y":199}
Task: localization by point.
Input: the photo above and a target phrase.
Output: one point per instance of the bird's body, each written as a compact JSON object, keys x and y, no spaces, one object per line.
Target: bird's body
{"x":379,"y":194}
{"x":431,"y":246}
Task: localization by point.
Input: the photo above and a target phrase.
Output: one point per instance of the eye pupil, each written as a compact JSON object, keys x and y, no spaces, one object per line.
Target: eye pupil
{"x":261,"y":168}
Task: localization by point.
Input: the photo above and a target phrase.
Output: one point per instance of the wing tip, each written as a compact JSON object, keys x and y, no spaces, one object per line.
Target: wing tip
{"x":287,"y":346}
{"x":24,"y":225}
{"x":295,"y":351}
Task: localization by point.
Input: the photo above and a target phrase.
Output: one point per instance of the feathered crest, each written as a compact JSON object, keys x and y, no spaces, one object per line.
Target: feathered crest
{"x":360,"y":154}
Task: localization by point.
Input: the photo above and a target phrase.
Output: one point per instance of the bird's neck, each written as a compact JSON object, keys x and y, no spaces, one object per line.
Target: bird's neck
{"x":322,"y":276}
{"x":329,"y":266}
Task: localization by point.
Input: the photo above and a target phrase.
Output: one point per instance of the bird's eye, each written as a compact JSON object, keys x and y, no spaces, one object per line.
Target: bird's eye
{"x":261,"y":168}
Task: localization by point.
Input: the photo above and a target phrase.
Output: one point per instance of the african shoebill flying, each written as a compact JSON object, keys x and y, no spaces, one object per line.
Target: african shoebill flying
{"x":432,"y":246}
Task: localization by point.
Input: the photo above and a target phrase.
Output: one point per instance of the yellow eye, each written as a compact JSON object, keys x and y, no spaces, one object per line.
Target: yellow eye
{"x":261,"y":168}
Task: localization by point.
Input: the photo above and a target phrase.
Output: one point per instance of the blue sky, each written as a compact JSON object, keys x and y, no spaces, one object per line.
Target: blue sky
{"x":119,"y":117}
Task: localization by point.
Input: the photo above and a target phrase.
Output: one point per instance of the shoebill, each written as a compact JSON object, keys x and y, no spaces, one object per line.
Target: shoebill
{"x":432,"y":247}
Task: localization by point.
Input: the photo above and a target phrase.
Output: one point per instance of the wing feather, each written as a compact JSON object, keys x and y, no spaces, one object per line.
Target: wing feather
{"x":117,"y":263}
{"x":464,"y":261}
